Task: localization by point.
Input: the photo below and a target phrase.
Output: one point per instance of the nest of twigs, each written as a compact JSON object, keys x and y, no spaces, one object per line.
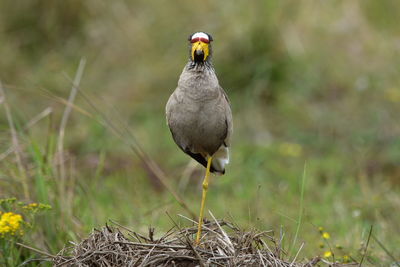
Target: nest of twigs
{"x":222,"y":244}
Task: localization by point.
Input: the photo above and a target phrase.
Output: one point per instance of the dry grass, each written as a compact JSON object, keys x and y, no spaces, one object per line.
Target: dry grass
{"x":223,"y":244}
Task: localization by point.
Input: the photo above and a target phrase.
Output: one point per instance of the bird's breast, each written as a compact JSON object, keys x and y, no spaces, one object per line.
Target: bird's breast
{"x":198,"y":126}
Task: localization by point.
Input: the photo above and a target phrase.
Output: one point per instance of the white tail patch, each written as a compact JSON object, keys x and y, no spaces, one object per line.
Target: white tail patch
{"x":220,"y":159}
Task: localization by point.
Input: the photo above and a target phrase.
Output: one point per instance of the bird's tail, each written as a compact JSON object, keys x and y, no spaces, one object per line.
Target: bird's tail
{"x":220,"y":159}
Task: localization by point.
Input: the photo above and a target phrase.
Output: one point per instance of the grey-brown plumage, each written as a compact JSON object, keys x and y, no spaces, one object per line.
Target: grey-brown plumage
{"x":198,"y":113}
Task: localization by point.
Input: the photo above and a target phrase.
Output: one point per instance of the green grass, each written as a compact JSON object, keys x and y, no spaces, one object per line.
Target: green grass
{"x":315,"y":83}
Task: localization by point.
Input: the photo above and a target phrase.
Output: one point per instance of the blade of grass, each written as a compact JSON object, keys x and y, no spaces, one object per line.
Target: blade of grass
{"x":39,"y":182}
{"x":65,"y":102}
{"x":38,"y":118}
{"x":46,"y":112}
{"x":35,"y":250}
{"x":16,"y":145}
{"x":299,"y":221}
{"x":297,"y":254}
{"x":366,"y":246}
{"x":395,"y":262}
{"x":61,"y":133}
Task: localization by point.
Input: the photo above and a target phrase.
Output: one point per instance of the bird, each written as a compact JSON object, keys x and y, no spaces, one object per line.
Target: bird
{"x":199,"y":115}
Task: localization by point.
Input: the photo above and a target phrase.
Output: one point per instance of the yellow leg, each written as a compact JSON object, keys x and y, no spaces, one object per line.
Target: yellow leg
{"x":203,"y":200}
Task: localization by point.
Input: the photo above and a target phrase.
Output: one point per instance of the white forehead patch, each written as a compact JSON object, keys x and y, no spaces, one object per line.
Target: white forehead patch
{"x":200,"y":35}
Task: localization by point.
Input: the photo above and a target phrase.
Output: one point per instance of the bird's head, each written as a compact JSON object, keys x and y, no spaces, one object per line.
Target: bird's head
{"x":200,"y":47}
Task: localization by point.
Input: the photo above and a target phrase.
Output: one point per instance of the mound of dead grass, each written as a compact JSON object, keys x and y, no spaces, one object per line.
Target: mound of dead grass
{"x":222,"y":244}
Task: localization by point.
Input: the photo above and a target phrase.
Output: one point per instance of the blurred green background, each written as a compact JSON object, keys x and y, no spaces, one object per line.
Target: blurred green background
{"x":313,"y":85}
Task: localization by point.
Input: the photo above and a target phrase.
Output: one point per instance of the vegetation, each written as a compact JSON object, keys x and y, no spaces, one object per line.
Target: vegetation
{"x":314,"y":88}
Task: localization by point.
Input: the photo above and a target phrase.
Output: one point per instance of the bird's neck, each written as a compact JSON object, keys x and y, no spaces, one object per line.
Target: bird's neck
{"x":198,"y":81}
{"x":199,"y":66}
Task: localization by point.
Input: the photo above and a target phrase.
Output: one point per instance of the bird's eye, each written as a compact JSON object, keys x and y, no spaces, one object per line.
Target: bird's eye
{"x":201,"y":39}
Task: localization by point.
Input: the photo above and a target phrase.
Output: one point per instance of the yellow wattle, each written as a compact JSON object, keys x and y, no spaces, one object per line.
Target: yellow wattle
{"x":200,"y":46}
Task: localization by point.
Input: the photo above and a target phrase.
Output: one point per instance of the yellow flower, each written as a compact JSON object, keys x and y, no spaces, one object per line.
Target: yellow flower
{"x":321,"y":245}
{"x":290,"y":149}
{"x":325,"y":235}
{"x":346,"y":259}
{"x":321,"y":229}
{"x":31,"y":206}
{"x":327,"y":254}
{"x":392,"y":94}
{"x":10,"y":223}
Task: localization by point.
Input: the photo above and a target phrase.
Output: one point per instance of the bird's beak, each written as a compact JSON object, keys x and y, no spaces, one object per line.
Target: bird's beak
{"x":199,"y":51}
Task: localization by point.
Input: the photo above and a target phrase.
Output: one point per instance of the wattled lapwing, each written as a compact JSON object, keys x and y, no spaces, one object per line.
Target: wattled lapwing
{"x":199,"y":115}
